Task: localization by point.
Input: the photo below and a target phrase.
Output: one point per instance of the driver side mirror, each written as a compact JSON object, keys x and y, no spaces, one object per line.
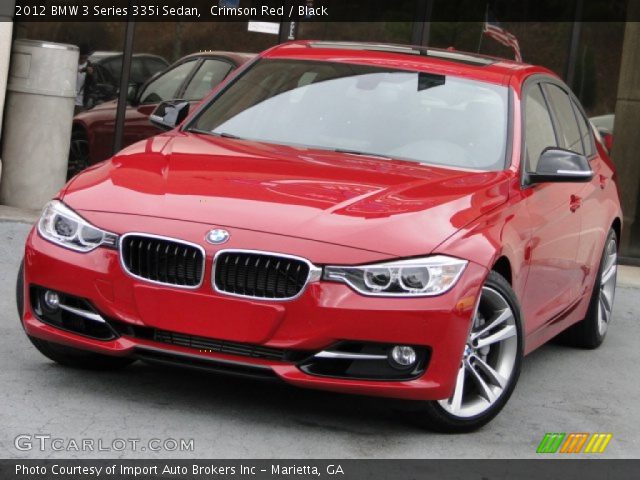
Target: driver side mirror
{"x":168,"y":115}
{"x":558,"y":165}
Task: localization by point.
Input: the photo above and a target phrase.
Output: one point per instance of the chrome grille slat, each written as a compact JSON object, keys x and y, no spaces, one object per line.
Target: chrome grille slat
{"x":162,"y":260}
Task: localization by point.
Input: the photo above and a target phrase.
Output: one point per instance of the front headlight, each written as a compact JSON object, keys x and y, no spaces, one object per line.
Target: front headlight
{"x":62,"y":226}
{"x":404,"y":278}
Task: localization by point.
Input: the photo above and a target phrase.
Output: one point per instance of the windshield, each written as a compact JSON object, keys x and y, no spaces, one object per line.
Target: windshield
{"x":417,"y":116}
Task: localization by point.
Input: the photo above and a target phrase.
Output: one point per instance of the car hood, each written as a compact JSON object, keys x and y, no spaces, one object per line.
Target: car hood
{"x":102,"y":107}
{"x":392,"y":207}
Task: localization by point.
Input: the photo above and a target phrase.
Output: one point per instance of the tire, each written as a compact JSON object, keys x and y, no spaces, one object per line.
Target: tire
{"x":589,"y":333}
{"x":67,"y":356}
{"x":498,"y":312}
{"x":20,"y":292}
{"x":78,"y":153}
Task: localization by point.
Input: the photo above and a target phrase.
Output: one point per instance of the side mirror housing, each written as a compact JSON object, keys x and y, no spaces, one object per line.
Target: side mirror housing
{"x":558,"y":165}
{"x":168,"y":115}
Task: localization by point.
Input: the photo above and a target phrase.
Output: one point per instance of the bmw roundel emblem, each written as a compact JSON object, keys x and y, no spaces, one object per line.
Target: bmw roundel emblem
{"x":217,"y":236}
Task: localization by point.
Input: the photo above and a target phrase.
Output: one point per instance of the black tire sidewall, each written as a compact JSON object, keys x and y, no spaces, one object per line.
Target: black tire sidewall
{"x":20,"y":292}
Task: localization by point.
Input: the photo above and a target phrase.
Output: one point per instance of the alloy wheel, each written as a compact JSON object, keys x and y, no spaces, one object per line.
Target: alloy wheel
{"x":78,"y":155}
{"x":489,"y":357}
{"x":607,"y":285}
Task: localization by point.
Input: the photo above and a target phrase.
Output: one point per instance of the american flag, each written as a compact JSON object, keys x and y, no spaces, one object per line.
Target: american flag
{"x":493,"y":29}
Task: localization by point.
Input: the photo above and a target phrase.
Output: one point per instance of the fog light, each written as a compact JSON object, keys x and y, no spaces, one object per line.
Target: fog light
{"x":51,"y":299}
{"x":403,"y":356}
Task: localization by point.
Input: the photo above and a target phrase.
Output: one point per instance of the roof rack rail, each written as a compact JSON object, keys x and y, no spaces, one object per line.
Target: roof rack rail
{"x":454,"y":56}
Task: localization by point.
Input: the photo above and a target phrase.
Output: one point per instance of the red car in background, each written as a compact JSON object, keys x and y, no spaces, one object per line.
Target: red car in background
{"x":372,"y":219}
{"x":191,"y":78}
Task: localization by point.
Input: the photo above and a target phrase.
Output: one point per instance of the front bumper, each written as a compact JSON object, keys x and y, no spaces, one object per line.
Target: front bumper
{"x":324,"y":315}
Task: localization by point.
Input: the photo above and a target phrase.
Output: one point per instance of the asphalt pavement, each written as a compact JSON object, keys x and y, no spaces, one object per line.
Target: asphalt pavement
{"x":560,"y":390}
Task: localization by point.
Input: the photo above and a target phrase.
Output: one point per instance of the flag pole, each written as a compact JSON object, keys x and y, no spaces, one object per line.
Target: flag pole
{"x":486,"y":16}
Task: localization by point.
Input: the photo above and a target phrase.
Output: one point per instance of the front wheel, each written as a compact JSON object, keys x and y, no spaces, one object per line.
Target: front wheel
{"x":490,"y":363}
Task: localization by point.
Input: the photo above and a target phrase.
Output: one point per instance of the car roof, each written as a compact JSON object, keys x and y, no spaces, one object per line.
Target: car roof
{"x":104,"y":55}
{"x":408,"y":57}
{"x":237,"y":57}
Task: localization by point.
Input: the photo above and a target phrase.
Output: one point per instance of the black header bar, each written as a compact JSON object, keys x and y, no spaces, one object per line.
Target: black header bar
{"x":314,"y":10}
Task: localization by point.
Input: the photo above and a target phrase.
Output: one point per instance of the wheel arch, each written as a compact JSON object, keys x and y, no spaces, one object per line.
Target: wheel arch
{"x":617,"y":227}
{"x":502,"y":265}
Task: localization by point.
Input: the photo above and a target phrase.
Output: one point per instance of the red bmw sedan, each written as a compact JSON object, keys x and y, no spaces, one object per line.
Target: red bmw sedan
{"x":371,"y":219}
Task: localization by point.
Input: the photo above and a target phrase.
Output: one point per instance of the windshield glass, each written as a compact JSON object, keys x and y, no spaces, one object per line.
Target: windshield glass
{"x":422,"y":117}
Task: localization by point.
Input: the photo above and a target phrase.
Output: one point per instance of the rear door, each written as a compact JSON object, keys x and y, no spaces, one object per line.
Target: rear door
{"x":554,"y":273}
{"x":578,"y":137}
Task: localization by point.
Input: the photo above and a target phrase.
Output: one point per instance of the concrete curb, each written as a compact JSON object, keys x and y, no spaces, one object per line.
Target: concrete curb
{"x":628,"y":276}
{"x":13,"y":214}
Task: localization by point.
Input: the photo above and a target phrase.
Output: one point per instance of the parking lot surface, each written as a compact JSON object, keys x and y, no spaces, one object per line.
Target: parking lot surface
{"x":560,"y":390}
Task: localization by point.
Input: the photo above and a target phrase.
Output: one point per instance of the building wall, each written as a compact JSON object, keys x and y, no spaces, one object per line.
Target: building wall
{"x":626,"y":140}
{"x":6,"y":28}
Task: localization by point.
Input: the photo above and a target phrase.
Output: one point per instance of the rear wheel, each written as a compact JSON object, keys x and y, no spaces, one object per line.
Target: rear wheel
{"x":490,"y":364}
{"x":78,"y":153}
{"x":70,"y":357}
{"x":590,"y":332}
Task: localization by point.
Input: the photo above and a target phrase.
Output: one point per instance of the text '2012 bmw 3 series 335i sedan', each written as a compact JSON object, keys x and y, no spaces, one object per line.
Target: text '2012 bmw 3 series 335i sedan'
{"x":368,"y":219}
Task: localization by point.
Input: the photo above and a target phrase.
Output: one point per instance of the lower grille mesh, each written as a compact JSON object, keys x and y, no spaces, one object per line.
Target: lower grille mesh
{"x":221,"y":346}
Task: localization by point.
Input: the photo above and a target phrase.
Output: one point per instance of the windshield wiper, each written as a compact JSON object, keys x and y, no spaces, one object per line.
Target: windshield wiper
{"x":357,"y":152}
{"x":197,"y":130}
{"x":227,"y":135}
{"x":217,"y":134}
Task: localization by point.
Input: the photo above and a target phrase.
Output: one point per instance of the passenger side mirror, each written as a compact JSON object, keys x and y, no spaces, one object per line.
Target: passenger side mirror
{"x":168,"y":115}
{"x":558,"y":165}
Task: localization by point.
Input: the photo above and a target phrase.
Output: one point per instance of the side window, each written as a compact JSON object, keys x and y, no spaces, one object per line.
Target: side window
{"x":568,"y":124}
{"x":585,"y":131}
{"x":208,"y":76}
{"x":137,"y":72}
{"x":538,"y":128}
{"x":154,"y":66}
{"x":113,"y":66}
{"x":165,"y":86}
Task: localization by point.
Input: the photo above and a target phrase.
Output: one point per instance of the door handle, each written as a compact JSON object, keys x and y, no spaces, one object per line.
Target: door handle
{"x":603,"y":181}
{"x":575,"y":203}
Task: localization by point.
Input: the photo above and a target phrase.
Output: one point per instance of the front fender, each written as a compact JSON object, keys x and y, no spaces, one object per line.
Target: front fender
{"x":501,"y":233}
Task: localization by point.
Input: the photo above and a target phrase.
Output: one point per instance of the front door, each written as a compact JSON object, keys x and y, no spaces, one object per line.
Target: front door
{"x":555,"y":223}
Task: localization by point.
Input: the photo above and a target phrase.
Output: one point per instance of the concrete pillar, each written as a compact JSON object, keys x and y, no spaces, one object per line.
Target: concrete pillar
{"x":39,"y":111}
{"x":626,"y":148}
{"x":6,"y":29}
